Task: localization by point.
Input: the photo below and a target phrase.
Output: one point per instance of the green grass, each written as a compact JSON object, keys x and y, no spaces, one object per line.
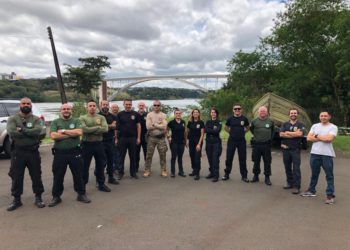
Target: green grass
{"x":342,"y":143}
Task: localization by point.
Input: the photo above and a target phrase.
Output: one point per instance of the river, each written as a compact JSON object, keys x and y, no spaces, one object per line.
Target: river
{"x":50,"y":110}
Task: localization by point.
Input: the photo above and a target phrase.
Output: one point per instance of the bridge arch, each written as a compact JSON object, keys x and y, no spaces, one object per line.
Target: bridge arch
{"x":181,"y":78}
{"x":129,"y":85}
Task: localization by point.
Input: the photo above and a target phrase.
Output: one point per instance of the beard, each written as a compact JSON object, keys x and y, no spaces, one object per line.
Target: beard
{"x":66,"y":116}
{"x":105,"y":110}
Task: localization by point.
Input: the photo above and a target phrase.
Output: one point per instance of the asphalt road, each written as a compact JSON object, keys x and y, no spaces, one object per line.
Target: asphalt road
{"x":180,"y":213}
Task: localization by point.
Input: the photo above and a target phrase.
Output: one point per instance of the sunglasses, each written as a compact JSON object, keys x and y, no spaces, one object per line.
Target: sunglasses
{"x":237,"y":109}
{"x":156,"y":105}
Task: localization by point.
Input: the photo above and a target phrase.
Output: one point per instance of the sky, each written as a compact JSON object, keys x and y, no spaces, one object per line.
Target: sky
{"x":140,"y":37}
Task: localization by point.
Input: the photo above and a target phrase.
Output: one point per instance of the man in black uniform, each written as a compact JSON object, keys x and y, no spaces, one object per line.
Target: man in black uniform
{"x":236,"y":125}
{"x":177,"y":142}
{"x":116,"y":152}
{"x":129,"y":133}
{"x":143,"y":114}
{"x":24,"y":129}
{"x":292,"y":132}
{"x":108,"y":139}
{"x":66,"y":132}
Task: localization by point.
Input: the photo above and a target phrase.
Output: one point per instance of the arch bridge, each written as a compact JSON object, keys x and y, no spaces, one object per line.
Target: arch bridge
{"x":126,"y":82}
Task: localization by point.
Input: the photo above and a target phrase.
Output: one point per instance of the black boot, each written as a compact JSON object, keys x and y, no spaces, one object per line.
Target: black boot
{"x":255,"y":178}
{"x":196,"y":177}
{"x":112,"y":180}
{"x":16,"y":203}
{"x":182,"y":174}
{"x":267,"y":181}
{"x":55,"y":201}
{"x":225,"y":177}
{"x":39,"y":201}
{"x":83,"y":198}
{"x":192,"y":174}
{"x":104,"y":188}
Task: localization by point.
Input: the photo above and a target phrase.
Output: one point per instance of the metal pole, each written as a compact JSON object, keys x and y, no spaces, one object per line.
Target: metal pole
{"x":58,"y":71}
{"x":104,"y":91}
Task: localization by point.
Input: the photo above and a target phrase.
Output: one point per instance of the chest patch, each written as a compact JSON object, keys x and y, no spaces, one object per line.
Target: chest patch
{"x":267,"y":125}
{"x":71,"y":125}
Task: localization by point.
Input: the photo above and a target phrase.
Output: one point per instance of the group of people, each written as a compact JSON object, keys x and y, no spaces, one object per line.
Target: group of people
{"x":108,"y":135}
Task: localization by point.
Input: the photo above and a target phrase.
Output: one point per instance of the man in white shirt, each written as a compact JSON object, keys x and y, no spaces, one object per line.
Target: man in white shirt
{"x":322,"y":153}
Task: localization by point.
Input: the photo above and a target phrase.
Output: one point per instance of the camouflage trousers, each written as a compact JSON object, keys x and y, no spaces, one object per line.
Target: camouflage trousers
{"x":152,"y":143}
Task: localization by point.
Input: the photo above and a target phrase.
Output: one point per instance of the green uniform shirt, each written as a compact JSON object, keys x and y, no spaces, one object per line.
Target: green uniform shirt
{"x":93,"y":127}
{"x":70,"y":142}
{"x":263,"y":130}
{"x":31,"y":128}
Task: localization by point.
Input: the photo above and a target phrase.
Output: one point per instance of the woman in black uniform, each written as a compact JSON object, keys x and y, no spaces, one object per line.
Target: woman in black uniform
{"x":177,"y":142}
{"x":195,"y":138}
{"x":213,"y":145}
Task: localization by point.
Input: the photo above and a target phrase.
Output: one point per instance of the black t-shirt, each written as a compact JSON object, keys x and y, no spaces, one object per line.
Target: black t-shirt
{"x":177,"y":131}
{"x":194,"y":130}
{"x":110,"y":134}
{"x":237,"y":126}
{"x":296,"y":141}
{"x":126,"y":123}
{"x":143,"y":124}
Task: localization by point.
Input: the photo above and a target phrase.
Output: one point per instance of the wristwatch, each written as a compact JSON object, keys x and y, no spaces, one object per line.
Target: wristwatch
{"x":63,"y":130}
{"x":315,"y":136}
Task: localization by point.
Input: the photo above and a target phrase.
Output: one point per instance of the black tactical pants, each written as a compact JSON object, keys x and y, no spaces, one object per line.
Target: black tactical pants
{"x":241,"y":147}
{"x":213,"y":150}
{"x":127,"y":144}
{"x":89,"y":150}
{"x":20,"y":159}
{"x":143,"y":144}
{"x":108,"y":147}
{"x":291,"y":160}
{"x":195,"y":156}
{"x":62,"y":159}
{"x":177,"y":151}
{"x":262,"y":150}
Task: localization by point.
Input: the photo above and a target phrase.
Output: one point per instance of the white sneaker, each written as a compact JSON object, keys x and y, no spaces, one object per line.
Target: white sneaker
{"x":308,"y":194}
{"x":329,"y":200}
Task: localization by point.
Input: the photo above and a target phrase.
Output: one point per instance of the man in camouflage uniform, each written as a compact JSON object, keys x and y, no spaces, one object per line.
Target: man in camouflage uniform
{"x":156,"y":125}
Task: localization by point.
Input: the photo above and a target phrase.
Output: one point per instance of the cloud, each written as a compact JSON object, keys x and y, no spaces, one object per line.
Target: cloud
{"x":140,"y":37}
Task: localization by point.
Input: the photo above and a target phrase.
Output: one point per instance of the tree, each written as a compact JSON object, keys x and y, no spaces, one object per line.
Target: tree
{"x":87,"y":76}
{"x":311,"y":39}
{"x":305,"y":59}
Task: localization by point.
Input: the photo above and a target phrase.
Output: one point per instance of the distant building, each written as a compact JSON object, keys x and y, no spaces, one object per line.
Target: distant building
{"x":10,"y":77}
